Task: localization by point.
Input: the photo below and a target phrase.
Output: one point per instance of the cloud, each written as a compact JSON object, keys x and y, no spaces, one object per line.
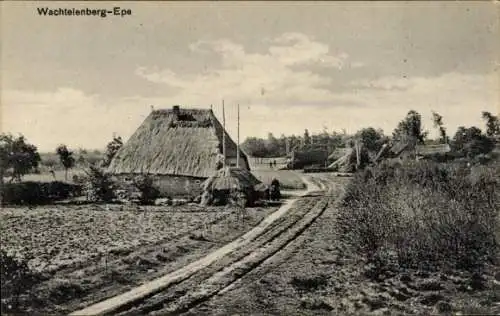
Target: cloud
{"x":297,"y":48}
{"x":277,"y":91}
{"x":245,"y":76}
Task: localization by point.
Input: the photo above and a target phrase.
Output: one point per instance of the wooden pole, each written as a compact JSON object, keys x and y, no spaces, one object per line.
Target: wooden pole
{"x":358,"y":154}
{"x":223,"y":133}
{"x":238,"y":141}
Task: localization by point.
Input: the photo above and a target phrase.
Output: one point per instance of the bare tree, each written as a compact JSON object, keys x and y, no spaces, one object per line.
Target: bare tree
{"x":438,"y":123}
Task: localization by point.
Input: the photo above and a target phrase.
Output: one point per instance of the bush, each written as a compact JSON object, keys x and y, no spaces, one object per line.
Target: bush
{"x":148,"y":192}
{"x":430,"y":215}
{"x":33,"y":193}
{"x":16,"y":278}
{"x":98,"y":186}
{"x":309,"y":283}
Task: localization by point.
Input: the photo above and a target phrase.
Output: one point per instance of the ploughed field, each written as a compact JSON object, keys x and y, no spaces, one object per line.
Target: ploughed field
{"x":82,"y":254}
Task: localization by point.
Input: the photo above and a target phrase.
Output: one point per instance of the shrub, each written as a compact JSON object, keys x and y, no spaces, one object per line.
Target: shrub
{"x":431,"y":215}
{"x":149,"y":193}
{"x":16,"y":278}
{"x":33,"y":193}
{"x":98,"y":186}
{"x":309,"y":283}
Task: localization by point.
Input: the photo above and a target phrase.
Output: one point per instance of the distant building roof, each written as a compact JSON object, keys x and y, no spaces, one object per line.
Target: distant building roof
{"x":397,"y":148}
{"x":339,"y":152}
{"x":425,"y":150}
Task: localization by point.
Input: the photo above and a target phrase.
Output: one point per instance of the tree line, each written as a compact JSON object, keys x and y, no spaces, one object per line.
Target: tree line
{"x":467,"y":141}
{"x":18,"y":157}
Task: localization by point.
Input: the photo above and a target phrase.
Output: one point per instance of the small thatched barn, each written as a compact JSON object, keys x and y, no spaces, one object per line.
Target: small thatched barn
{"x":179,"y":147}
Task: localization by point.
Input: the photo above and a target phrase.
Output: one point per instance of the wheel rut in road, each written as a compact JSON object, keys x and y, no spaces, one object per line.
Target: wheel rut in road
{"x":187,"y":289}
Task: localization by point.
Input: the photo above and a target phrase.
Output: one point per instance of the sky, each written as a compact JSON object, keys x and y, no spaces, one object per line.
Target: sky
{"x":78,"y":80}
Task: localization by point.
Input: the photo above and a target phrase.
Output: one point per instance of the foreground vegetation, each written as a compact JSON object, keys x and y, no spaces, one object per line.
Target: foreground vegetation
{"x":425,"y":215}
{"x":348,"y":262}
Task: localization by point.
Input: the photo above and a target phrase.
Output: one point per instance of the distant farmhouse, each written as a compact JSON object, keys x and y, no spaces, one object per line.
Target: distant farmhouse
{"x":180,"y":148}
{"x":407,"y":150}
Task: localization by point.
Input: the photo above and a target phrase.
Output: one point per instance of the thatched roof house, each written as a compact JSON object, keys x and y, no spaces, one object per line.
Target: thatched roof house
{"x":303,"y":158}
{"x":406,"y":149}
{"x":177,"y":142}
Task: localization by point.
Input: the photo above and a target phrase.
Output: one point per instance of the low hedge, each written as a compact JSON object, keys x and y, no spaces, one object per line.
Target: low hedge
{"x":31,"y":192}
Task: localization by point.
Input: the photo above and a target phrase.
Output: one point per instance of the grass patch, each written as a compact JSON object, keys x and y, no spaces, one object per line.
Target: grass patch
{"x":289,"y":180}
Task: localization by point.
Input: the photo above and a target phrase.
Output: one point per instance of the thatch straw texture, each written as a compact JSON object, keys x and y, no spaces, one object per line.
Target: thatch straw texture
{"x":343,"y":163}
{"x":185,"y":142}
{"x":338,"y":153}
{"x":229,"y":178}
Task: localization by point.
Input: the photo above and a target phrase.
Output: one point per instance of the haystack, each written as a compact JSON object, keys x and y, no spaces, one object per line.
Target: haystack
{"x":230,"y":183}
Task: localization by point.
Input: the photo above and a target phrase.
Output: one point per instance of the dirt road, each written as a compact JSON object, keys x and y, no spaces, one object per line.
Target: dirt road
{"x":228,"y":267}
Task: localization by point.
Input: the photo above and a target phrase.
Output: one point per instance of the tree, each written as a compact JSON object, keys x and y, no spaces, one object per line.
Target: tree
{"x":307,"y":137}
{"x":470,"y":142}
{"x":99,"y":186}
{"x":492,"y":124}
{"x":18,"y":156}
{"x":66,"y":158}
{"x":438,"y":123}
{"x":272,"y":145}
{"x":410,"y":128}
{"x":335,"y":140}
{"x":371,"y":138}
{"x":111,"y":150}
{"x":255,"y":147}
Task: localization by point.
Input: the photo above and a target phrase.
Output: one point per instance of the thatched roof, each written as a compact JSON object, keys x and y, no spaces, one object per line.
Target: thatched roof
{"x":344,"y":161}
{"x":175,"y":141}
{"x":424,"y":150}
{"x":231,"y":178}
{"x":399,"y":147}
{"x":383,"y":150}
{"x":339,"y":152}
